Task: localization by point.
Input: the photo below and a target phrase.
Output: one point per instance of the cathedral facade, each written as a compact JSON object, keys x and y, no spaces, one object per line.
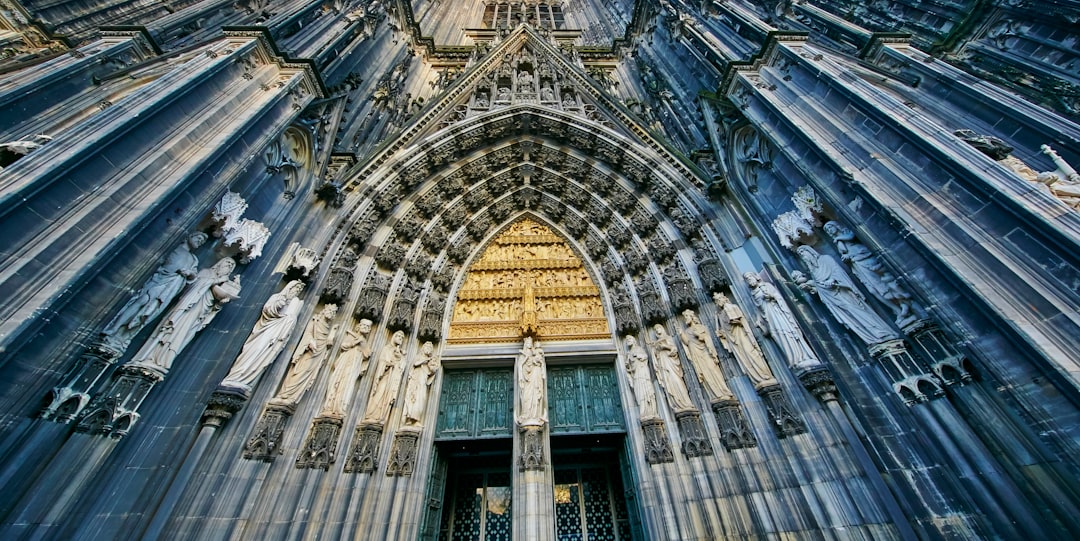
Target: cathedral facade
{"x":611,"y":270}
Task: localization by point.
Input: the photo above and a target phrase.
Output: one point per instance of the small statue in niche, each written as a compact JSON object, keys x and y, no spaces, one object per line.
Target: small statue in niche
{"x":504,"y":94}
{"x":547,"y":94}
{"x":697,"y":341}
{"x":532,"y":385}
{"x":308,"y":357}
{"x":637,"y":367}
{"x":267,"y":338}
{"x":384,"y":390}
{"x":204,"y":298}
{"x":178,"y":269}
{"x":779,"y":323}
{"x":481,"y":100}
{"x":350,"y":365}
{"x":872,"y":273}
{"x":669,"y":370}
{"x":424,"y":368}
{"x":736,"y":338}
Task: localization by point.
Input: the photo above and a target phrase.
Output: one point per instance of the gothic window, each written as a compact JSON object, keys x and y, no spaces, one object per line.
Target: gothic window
{"x":509,"y":15}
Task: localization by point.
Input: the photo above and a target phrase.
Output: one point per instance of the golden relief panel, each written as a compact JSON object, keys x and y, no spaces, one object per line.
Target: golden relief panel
{"x":527,"y":282}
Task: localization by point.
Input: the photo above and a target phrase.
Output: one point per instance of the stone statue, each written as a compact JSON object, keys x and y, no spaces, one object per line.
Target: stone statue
{"x":308,"y":358}
{"x":532,"y":385}
{"x":349,"y":365}
{"x":736,"y":338}
{"x":669,"y":370}
{"x":697,"y":341}
{"x":210,"y":290}
{"x":779,"y":323}
{"x":267,"y":338}
{"x":424,"y":368}
{"x":387,"y":381}
{"x":871,"y":272}
{"x":547,"y":94}
{"x":637,"y":367}
{"x":836,"y":290}
{"x":177,"y":270}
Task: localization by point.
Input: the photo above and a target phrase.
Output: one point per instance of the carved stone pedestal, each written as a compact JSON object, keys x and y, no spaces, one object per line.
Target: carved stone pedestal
{"x":223,"y":404}
{"x":265,"y":441}
{"x":402,"y":459}
{"x":532,"y":447}
{"x":364,"y":455}
{"x":657,"y":444}
{"x":819,"y":381}
{"x":783,"y":416}
{"x":114,"y":411}
{"x":320,"y":448}
{"x":908,"y":379}
{"x":695,"y":441}
{"x":947,"y":362}
{"x":735,"y":432}
{"x":67,"y":401}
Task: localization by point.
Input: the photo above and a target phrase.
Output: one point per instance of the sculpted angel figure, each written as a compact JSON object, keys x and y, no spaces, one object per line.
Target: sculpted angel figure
{"x":735,"y":336}
{"x":308,"y":357}
{"x":637,"y":367}
{"x":349,"y":365}
{"x":178,"y":269}
{"x":387,"y":382}
{"x":871,"y":272}
{"x":779,"y":324}
{"x":424,"y":368}
{"x":839,"y":294}
{"x":267,"y":338}
{"x":669,"y":370}
{"x":208,"y":293}
{"x":532,"y":385}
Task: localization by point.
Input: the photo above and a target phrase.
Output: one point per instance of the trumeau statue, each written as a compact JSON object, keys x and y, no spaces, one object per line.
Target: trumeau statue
{"x":267,"y":338}
{"x":777,"y":322}
{"x":839,"y":294}
{"x":872,"y":273}
{"x":384,"y":390}
{"x":308,"y":357}
{"x":637,"y":367}
{"x":736,"y":338}
{"x":702,"y":353}
{"x":210,"y":290}
{"x":350,"y":365}
{"x":424,"y":368}
{"x":532,"y":385}
{"x":177,"y":270}
{"x":669,"y":370}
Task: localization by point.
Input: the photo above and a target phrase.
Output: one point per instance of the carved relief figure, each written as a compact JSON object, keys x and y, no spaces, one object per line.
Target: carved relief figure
{"x":836,"y":290}
{"x":350,"y":365}
{"x":211,"y":290}
{"x":267,"y":338}
{"x":532,"y":389}
{"x":736,"y":338}
{"x":702,"y":353}
{"x":669,"y":370}
{"x":309,"y":357}
{"x":424,"y":368}
{"x":177,"y":270}
{"x":637,"y":367}
{"x":779,"y":323}
{"x":871,"y":272}
{"x":387,"y":380}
